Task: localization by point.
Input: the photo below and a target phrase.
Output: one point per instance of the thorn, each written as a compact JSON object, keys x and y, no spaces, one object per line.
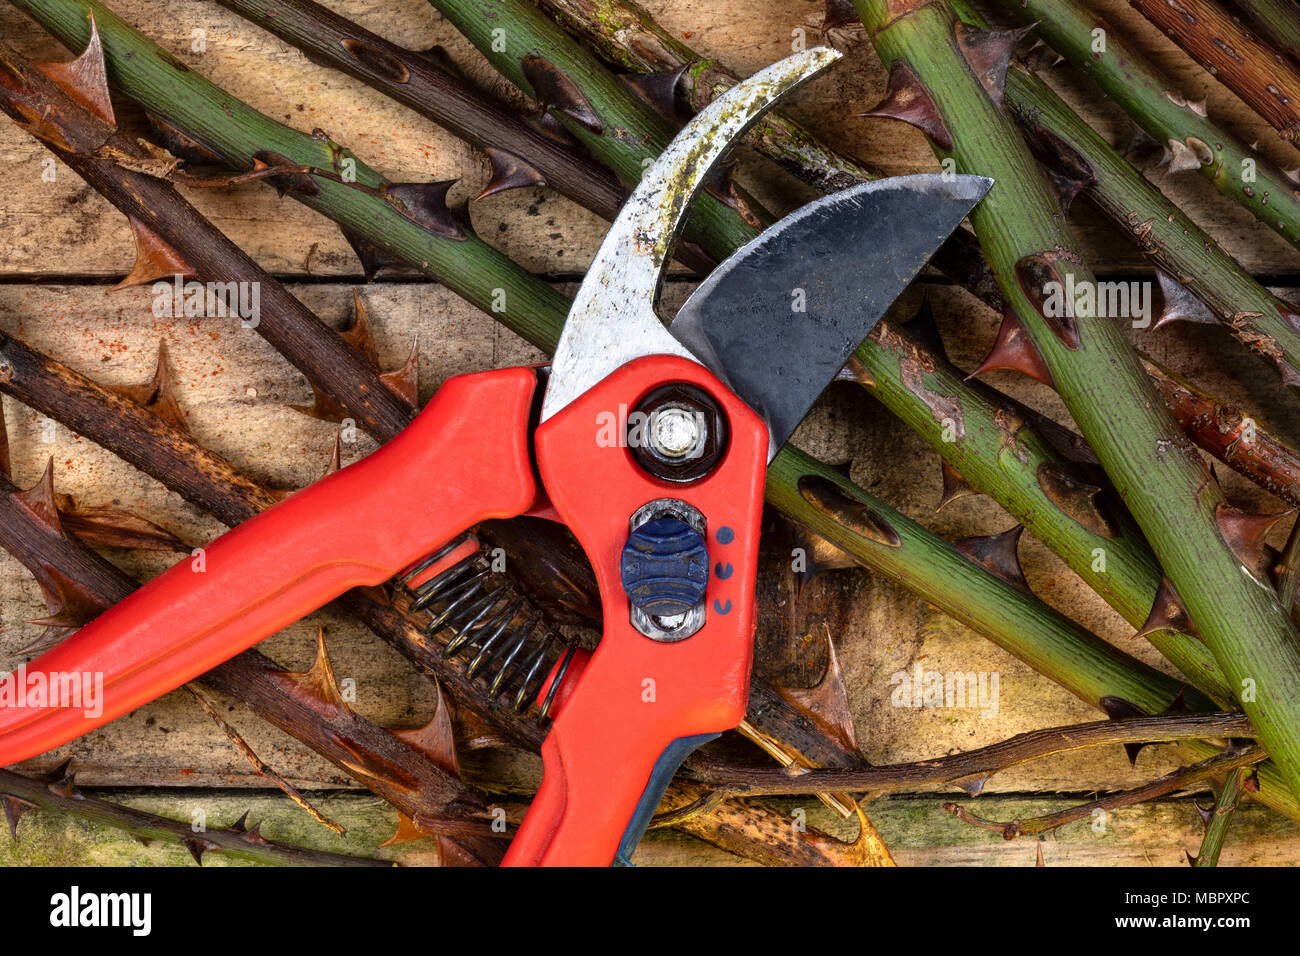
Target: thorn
{"x":39,"y":504}
{"x":62,"y":782}
{"x":658,"y":90}
{"x":1180,"y":304}
{"x":372,"y":257}
{"x":954,"y":487}
{"x":859,"y":518}
{"x":821,"y":555}
{"x":1076,"y":499}
{"x":987,"y":53}
{"x":1167,"y":613}
{"x":1117,"y":708}
{"x":405,"y":381}
{"x":437,"y":738}
{"x":1035,"y":274}
{"x":407,"y":830}
{"x":1198,"y":107}
{"x":907,"y":99}
{"x":1205,"y":813}
{"x":828,"y":702}
{"x":15,"y":807}
{"x":923,"y":328}
{"x":839,"y":13}
{"x":197,"y":847}
{"x":85,"y":79}
{"x":1139,"y":140}
{"x":553,"y":89}
{"x":1038,"y":854}
{"x":997,"y":554}
{"x":1192,"y":153}
{"x":973,"y":786}
{"x":154,"y":258}
{"x":359,"y":333}
{"x":1067,"y":189}
{"x":509,"y":172}
{"x":426,"y":204}
{"x":254,"y":834}
{"x":316,"y":688}
{"x":240,"y":825}
{"x":1293,"y":175}
{"x":377,"y":60}
{"x":1245,"y":533}
{"x":1015,"y":351}
{"x":1191,"y":860}
{"x":157,"y":395}
{"x":334,"y":462}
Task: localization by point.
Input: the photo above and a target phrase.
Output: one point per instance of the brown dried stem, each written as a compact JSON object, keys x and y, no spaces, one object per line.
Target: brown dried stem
{"x":96,"y":151}
{"x":237,"y":841}
{"x":969,"y":770}
{"x":1170,"y":782}
{"x":259,"y":764}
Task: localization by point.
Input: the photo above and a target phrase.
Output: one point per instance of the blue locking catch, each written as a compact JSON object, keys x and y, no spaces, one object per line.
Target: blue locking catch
{"x":665,"y":567}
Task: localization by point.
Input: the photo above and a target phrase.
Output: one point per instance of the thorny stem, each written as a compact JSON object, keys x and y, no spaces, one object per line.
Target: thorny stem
{"x":258,"y":763}
{"x":1216,"y":831}
{"x":1153,"y":102}
{"x":973,"y":766}
{"x":626,"y":36}
{"x":1156,"y":471}
{"x":472,"y":114}
{"x":445,"y":251}
{"x":1166,"y":235}
{"x":86,"y":143}
{"x":234,"y":841}
{"x":1170,"y":782}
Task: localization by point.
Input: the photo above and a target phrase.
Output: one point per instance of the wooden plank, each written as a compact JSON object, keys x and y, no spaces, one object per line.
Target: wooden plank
{"x":917,"y":830}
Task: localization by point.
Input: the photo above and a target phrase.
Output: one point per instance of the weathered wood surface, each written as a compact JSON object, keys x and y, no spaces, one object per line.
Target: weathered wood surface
{"x":62,"y":242}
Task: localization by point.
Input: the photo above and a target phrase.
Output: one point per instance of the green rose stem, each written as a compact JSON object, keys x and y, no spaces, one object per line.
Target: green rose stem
{"x":1187,"y":257}
{"x":1216,"y":829}
{"x":1209,"y":552}
{"x":593,"y":104}
{"x":1153,"y":102}
{"x":627,"y":37}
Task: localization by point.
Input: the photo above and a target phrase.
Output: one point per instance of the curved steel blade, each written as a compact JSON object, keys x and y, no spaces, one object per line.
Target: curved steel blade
{"x":613,"y":318}
{"x":778,"y":319}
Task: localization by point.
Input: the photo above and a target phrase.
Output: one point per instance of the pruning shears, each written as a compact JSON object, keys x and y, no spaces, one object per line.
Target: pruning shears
{"x":650,"y":443}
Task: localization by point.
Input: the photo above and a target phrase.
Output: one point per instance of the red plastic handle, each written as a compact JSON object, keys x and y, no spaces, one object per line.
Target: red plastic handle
{"x":464,"y":458}
{"x":636,"y":696}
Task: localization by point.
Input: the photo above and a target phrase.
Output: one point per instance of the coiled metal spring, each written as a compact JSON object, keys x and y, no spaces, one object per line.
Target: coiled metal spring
{"x":512,"y":645}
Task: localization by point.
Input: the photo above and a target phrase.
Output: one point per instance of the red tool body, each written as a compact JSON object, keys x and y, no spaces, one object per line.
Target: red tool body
{"x":465,"y":458}
{"x":360,"y":526}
